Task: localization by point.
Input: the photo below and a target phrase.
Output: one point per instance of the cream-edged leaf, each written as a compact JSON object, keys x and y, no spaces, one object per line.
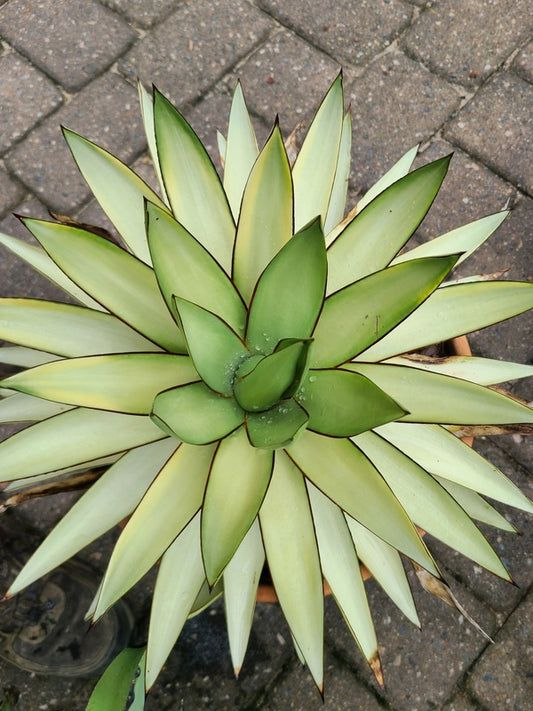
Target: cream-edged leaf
{"x":123,"y":284}
{"x":475,"y":505}
{"x":127,"y":382}
{"x":147,"y":109}
{"x":24,"y":357}
{"x":315,"y":166}
{"x":292,"y":555}
{"x":26,"y":408}
{"x":192,"y":185}
{"x":241,"y":578}
{"x":67,"y":330}
{"x":435,"y":398}
{"x":167,"y":507}
{"x":119,"y":191}
{"x":239,"y":152}
{"x":440,"y":452}
{"x":71,"y":438}
{"x":483,"y":371}
{"x":384,"y":563}
{"x":337,"y":201}
{"x":451,"y":312}
{"x":179,"y":580}
{"x":342,"y":472}
{"x":41,"y":262}
{"x":239,"y":474}
{"x":110,"y":499}
{"x":398,"y":170}
{"x":265,"y":219}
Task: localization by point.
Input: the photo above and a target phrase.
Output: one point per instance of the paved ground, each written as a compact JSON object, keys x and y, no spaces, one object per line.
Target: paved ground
{"x":451,"y":75}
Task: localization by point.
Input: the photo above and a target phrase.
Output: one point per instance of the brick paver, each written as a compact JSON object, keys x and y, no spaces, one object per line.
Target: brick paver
{"x":26,"y":97}
{"x":72,"y":42}
{"x":107,"y":112}
{"x":466,"y":40}
{"x":395,"y":105}
{"x":502,"y":677}
{"x":499,"y":115}
{"x":196,"y":46}
{"x":452,"y":75}
{"x":286,"y":76}
{"x":349,"y":31}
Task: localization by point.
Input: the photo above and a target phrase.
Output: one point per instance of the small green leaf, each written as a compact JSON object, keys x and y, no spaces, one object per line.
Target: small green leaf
{"x":265,"y":220}
{"x":434,"y":398}
{"x":113,"y":688}
{"x":314,"y":170}
{"x":167,"y":507}
{"x":124,"y":383}
{"x":276,"y":427}
{"x":428,"y":504}
{"x":216,"y":350}
{"x":101,"y":508}
{"x":184,"y":268}
{"x":340,"y":405}
{"x":224,"y":527}
{"x":41,"y":262}
{"x":70,"y":438}
{"x":193,"y":187}
{"x":337,"y":201}
{"x":241,"y":578}
{"x":440,"y":452}
{"x":398,"y":170}
{"x":452,"y":312}
{"x":385,"y":564}
{"x":119,"y":191}
{"x":378,"y":232}
{"x":196,"y":414}
{"x":465,"y":239}
{"x":240,"y":151}
{"x":67,"y":330}
{"x":272,"y":376}
{"x":179,"y":580}
{"x":290,"y":292}
{"x":292,"y":555}
{"x":342,"y":472}
{"x":123,"y":284}
{"x":361,"y":313}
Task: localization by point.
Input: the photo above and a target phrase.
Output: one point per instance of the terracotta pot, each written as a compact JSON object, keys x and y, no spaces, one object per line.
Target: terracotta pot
{"x":265,"y":592}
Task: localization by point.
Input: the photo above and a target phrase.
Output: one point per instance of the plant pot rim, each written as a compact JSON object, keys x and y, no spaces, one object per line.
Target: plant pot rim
{"x":265,"y":591}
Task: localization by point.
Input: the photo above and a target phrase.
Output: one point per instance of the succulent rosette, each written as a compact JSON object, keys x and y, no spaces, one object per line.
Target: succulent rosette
{"x":237,"y":369}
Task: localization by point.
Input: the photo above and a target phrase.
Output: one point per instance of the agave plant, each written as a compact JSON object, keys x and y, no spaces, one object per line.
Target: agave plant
{"x":238,"y":368}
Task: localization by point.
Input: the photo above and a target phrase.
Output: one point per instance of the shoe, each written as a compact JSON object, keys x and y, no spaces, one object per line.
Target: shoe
{"x":42,"y":629}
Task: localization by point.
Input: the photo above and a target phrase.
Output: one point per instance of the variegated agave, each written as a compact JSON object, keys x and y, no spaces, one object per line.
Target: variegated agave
{"x":239,"y":368}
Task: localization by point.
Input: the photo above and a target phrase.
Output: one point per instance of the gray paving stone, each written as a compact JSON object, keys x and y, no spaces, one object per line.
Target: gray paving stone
{"x":144,"y":12}
{"x":395,"y":104}
{"x":421,"y":667}
{"x":349,"y":32}
{"x":496,"y":125}
{"x":461,"y":702}
{"x":523,"y":64}
{"x":466,"y":40}
{"x":191,"y":50}
{"x":10,"y":192}
{"x":343,"y":691}
{"x":513,"y":549}
{"x":107,"y":112}
{"x":502,"y":677}
{"x":287,"y":77}
{"x":26,"y":97}
{"x":72,"y":42}
{"x":469,"y":191}
{"x":16,"y":277}
{"x":198,"y":674}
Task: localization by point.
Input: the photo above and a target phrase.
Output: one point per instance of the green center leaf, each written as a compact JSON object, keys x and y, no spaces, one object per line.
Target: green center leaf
{"x":272,"y":376}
